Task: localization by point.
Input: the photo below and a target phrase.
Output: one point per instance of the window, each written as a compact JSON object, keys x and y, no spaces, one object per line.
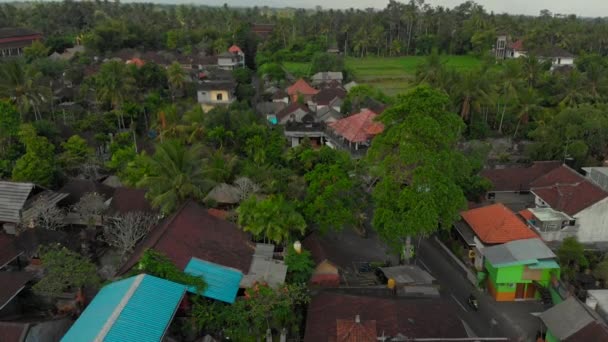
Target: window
{"x":219,"y":97}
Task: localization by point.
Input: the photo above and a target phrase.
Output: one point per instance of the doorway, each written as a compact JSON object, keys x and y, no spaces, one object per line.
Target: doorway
{"x":520,"y":291}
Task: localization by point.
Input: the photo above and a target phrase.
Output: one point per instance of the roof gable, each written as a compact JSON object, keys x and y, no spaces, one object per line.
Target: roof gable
{"x":566,"y":190}
{"x":301,"y":87}
{"x":497,"y":224}
{"x":139,"y":308}
{"x":235,"y":49}
{"x":293,"y":108}
{"x":13,"y":196}
{"x":358,"y":127}
{"x":193,"y":232}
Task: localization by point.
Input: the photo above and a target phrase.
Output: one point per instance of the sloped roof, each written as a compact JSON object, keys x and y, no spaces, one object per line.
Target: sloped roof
{"x":235,"y":49}
{"x":518,"y":178}
{"x":519,"y":252}
{"x":222,"y":282}
{"x":552,"y":52}
{"x":358,"y":127}
{"x":193,"y":232}
{"x":566,"y":190}
{"x":595,"y":331}
{"x":497,"y":224}
{"x":350,"y":85}
{"x":8,"y":250}
{"x":325,"y":96}
{"x":13,"y":32}
{"x":138,"y":62}
{"x":327,"y":76}
{"x":301,"y":87}
{"x":12,"y":284}
{"x":13,"y":196}
{"x":518,"y":45}
{"x":139,"y":308}
{"x":127,"y":200}
{"x":328,"y":114}
{"x":292,"y":108}
{"x":13,"y":331}
{"x":567,"y":318}
{"x":353,"y":331}
{"x":409,"y":317}
{"x":76,"y":188}
{"x":408,"y":274}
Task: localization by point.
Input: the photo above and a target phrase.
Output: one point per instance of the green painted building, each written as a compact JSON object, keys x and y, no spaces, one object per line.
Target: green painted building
{"x":514,"y":269}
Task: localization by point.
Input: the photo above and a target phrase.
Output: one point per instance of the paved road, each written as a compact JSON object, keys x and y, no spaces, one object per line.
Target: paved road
{"x":493,"y":319}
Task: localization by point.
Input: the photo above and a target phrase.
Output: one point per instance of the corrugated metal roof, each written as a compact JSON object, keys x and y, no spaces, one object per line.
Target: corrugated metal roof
{"x":222,"y":282}
{"x":139,"y":308}
{"x":566,"y":318}
{"x":269,"y":271}
{"x":12,"y":199}
{"x":33,"y":206}
{"x":519,"y":252}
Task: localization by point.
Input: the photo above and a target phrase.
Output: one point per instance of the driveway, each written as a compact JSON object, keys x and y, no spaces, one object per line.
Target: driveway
{"x":494,"y":319}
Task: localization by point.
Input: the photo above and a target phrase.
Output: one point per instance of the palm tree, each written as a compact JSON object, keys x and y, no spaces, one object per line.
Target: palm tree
{"x":114,"y":84}
{"x":572,"y":89}
{"x":528,"y":103}
{"x":176,"y":174}
{"x":176,"y":78}
{"x":431,"y":70}
{"x":472,"y":90}
{"x":21,"y":86}
{"x":597,"y":80}
{"x":510,"y":79}
{"x":532,"y":69}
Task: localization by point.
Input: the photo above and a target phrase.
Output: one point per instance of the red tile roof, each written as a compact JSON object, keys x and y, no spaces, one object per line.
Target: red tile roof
{"x":193,"y":232}
{"x":125,"y":200}
{"x":235,"y":49}
{"x":12,"y":284}
{"x":567,"y":191}
{"x":358,"y":127}
{"x":136,"y":61}
{"x":352,"y":331}
{"x":518,"y":45}
{"x":518,"y":178}
{"x":302,"y":88}
{"x":409,"y":317}
{"x":325,"y":96}
{"x":13,"y":331}
{"x":497,"y":224}
{"x":526,"y":214}
{"x":594,"y":331}
{"x":8,"y":250}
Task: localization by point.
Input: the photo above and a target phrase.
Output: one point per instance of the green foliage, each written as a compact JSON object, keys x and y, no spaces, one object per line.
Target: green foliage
{"x":601,"y":270}
{"x":37,"y":165}
{"x":9,"y":129}
{"x":35,"y":51}
{"x":571,"y":255}
{"x":248,"y":319}
{"x":159,"y":265}
{"x":299,"y":266}
{"x":273,"y":71}
{"x":360,"y":95}
{"x":419,"y":188}
{"x":272,"y":218}
{"x":76,"y":153}
{"x":65,"y":270}
{"x":326,"y":62}
{"x":175,"y":175}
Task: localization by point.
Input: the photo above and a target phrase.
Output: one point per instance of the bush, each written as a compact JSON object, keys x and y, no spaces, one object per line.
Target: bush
{"x":299,"y":266}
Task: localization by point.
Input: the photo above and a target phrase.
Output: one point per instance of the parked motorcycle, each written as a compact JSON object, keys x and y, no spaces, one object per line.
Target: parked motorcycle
{"x":473,"y":302}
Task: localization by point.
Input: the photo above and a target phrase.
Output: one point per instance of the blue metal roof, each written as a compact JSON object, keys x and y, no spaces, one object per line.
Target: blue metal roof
{"x":222,"y":282}
{"x":139,"y":308}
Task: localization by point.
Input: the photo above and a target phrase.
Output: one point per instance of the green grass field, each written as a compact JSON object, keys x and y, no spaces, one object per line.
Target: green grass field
{"x":392,"y":75}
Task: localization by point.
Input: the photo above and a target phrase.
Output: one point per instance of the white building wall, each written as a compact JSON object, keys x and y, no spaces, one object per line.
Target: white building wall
{"x":517,"y":54}
{"x":593,"y":223}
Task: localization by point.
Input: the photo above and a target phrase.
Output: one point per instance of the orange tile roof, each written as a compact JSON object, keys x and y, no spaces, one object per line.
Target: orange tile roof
{"x":352,"y":331}
{"x":358,"y":127}
{"x":235,"y":49}
{"x":526,"y":214}
{"x":301,"y":87}
{"x":497,"y":224}
{"x":136,"y":61}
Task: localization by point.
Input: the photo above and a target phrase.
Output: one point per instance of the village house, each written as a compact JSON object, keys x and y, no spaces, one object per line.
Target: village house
{"x":354,"y":133}
{"x":573,"y":321}
{"x":336,"y":316}
{"x":328,"y":97}
{"x":301,"y":90}
{"x":557,"y":56}
{"x":13,"y":41}
{"x":262,"y":31}
{"x":519,"y":270}
{"x":232,"y":59}
{"x":211,"y":94}
{"x":143,"y":305}
{"x":507,"y":49}
{"x":488,"y":226}
{"x":326,"y":77}
{"x":568,"y":204}
{"x":280,"y":96}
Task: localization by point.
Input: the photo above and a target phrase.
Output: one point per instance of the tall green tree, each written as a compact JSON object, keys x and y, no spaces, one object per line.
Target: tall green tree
{"x":37,"y":165}
{"x":176,"y":76}
{"x":175,"y":175}
{"x":76,"y":155}
{"x":21,"y":85}
{"x":114,"y":85}
{"x":418,"y":167}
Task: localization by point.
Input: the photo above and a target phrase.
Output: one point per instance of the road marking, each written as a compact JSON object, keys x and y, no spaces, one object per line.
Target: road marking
{"x":424,"y":265}
{"x":458,"y":302}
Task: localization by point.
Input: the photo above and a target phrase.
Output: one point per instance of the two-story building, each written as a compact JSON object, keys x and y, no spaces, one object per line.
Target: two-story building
{"x":13,"y":40}
{"x":232,"y":59}
{"x":215,"y":93}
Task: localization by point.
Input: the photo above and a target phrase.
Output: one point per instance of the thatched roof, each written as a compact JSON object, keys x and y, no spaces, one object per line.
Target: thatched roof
{"x":224,"y":194}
